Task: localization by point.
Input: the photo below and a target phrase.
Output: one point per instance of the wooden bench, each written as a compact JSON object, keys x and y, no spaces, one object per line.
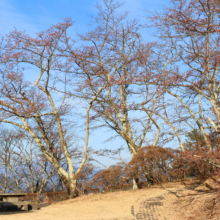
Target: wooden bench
{"x":26,"y":205}
{"x":5,"y":205}
{"x":11,"y":199}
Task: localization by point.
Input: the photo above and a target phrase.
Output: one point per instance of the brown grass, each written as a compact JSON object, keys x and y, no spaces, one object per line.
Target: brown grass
{"x":199,"y":201}
{"x":188,"y":199}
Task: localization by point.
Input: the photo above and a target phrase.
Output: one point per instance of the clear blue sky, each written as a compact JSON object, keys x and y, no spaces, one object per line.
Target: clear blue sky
{"x":37,"y":15}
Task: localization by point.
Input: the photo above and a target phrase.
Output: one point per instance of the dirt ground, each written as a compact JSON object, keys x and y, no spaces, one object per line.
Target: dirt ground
{"x":160,"y":203}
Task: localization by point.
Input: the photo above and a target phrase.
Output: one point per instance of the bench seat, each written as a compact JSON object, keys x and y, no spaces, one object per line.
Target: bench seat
{"x":27,"y":205}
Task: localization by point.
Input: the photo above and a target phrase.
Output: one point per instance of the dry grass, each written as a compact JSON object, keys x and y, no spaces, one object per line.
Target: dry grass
{"x":199,"y":200}
{"x":173,"y":201}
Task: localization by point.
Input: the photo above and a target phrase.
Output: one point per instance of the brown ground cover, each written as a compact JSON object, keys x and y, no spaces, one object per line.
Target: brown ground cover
{"x":173,"y":201}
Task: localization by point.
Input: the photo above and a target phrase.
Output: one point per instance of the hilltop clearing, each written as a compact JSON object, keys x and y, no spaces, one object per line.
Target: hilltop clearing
{"x":173,"y":201}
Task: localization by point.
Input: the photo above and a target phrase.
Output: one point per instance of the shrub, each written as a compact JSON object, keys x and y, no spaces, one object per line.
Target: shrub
{"x":55,"y":196}
{"x":152,"y":163}
{"x":110,"y":179}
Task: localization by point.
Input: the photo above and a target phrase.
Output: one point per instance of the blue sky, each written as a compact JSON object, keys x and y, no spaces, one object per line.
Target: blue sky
{"x":37,"y":15}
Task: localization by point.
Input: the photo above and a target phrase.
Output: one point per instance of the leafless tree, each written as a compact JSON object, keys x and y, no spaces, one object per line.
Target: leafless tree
{"x":36,"y":107}
{"x":191,"y":29}
{"x":114,"y":60}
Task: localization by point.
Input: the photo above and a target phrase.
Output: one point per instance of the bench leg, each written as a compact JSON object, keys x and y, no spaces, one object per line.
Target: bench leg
{"x":25,"y":207}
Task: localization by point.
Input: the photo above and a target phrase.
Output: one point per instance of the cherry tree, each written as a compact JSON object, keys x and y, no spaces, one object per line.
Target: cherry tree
{"x":115,"y":60}
{"x":35,"y":106}
{"x":191,"y":28}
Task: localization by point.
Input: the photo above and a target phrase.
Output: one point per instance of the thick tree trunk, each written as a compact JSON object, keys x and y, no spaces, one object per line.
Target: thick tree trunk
{"x":72,"y":188}
{"x":135,"y":180}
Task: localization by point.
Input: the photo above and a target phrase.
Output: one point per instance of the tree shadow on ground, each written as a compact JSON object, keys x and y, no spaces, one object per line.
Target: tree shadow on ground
{"x":198,"y":192}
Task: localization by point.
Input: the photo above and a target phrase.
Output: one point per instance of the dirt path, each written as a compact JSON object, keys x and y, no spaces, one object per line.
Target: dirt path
{"x":157,"y":207}
{"x":152,"y":208}
{"x":146,"y":204}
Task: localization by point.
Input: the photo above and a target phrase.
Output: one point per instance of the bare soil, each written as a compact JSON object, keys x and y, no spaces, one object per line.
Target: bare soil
{"x":177,"y":201}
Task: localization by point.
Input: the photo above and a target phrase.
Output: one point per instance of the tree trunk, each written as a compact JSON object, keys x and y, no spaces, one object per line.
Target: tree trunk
{"x":72,"y":188}
{"x":61,"y":184}
{"x":135,"y":183}
{"x":5,"y":180}
{"x":135,"y":180}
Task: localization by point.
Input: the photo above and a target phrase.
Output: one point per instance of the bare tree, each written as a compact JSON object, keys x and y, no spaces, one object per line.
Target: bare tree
{"x":114,"y":59}
{"x":191,"y":28}
{"x":8,"y":144}
{"x":25,"y":168}
{"x":35,"y":107}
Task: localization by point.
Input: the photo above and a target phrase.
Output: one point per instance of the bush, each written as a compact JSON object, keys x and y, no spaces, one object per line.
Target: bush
{"x":199,"y":162}
{"x":55,"y":196}
{"x":30,"y":196}
{"x":154,"y":164}
{"x":110,"y":179}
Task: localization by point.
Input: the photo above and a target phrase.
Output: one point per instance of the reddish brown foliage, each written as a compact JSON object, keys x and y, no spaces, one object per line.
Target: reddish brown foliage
{"x":110,"y":179}
{"x":152,"y":163}
{"x":200,"y":162}
{"x":30,"y":196}
{"x":55,"y":196}
{"x":83,"y":177}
